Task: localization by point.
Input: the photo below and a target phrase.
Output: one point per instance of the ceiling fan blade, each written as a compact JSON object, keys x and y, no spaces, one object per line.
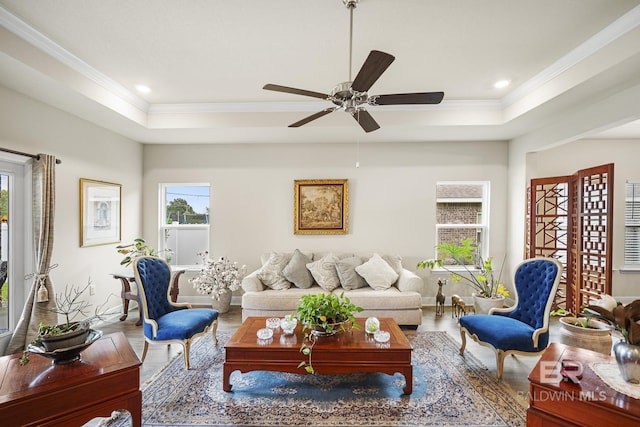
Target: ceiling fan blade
{"x":295,"y":91}
{"x":365,"y":120}
{"x":375,"y":64}
{"x":408,"y":98}
{"x":312,"y":117}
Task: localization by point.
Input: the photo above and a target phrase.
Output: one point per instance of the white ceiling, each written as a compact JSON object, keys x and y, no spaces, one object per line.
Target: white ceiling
{"x":207,"y":60}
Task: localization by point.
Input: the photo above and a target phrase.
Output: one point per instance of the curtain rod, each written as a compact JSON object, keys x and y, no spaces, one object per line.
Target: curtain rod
{"x":20,"y":153}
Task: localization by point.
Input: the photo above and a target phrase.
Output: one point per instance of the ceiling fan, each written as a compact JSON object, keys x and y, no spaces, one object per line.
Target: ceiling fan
{"x":353,"y":96}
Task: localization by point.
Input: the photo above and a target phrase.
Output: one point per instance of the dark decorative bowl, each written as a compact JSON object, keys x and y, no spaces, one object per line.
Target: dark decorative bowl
{"x":68,"y":354}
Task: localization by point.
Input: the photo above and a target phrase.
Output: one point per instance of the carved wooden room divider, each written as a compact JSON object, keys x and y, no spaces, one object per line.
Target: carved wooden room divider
{"x":570,"y":218}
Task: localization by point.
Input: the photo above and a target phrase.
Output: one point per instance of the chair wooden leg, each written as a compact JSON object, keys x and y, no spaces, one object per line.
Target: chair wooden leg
{"x":214,"y":331}
{"x":500,"y":355}
{"x":187,"y":347}
{"x":463,"y":338}
{"x":144,"y":350}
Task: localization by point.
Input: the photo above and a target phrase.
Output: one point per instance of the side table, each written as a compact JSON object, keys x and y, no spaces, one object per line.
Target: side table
{"x":554,"y":402}
{"x":128,"y":277}
{"x":41,"y":393}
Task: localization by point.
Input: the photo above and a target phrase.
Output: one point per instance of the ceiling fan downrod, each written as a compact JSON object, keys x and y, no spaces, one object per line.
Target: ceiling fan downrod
{"x":350,"y":4}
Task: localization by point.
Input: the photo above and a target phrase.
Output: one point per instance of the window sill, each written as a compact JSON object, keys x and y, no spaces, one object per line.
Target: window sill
{"x":630,"y":269}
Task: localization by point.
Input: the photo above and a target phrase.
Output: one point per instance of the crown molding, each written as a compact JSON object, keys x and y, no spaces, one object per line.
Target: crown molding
{"x":23,"y":30}
{"x":621,"y":26}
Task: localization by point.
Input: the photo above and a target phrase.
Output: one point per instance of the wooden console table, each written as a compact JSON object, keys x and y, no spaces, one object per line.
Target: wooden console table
{"x":590,"y":403}
{"x":41,"y":393}
{"x":128,"y":277}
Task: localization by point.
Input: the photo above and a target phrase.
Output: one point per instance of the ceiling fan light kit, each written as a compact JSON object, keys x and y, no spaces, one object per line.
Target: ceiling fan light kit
{"x":353,"y":96}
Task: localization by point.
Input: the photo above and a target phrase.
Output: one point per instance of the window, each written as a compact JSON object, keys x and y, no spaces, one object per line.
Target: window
{"x":15,"y":240}
{"x":632,"y":224}
{"x":462,"y":213}
{"x":184,"y":222}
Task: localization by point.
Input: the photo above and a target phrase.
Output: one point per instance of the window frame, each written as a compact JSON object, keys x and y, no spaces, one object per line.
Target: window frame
{"x":164,"y":228}
{"x":20,"y":242}
{"x":483,"y":225}
{"x":631,"y":265}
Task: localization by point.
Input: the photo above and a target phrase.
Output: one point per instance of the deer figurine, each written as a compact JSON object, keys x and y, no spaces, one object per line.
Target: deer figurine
{"x":455,"y":300}
{"x":440,"y":298}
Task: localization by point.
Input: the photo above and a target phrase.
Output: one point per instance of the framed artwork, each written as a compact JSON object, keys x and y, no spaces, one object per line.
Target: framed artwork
{"x":100,"y":211}
{"x":320,"y":206}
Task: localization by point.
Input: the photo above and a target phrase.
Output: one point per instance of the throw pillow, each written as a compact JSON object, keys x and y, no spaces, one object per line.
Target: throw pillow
{"x":271,"y":273}
{"x":324,"y":271}
{"x":296,"y":270}
{"x":346,"y":269}
{"x":377,"y":272}
{"x":394,"y":261}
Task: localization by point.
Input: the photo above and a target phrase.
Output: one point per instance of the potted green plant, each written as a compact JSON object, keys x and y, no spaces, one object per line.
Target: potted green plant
{"x":481,"y":277}
{"x":69,"y":334}
{"x":323,"y":315}
{"x":139,"y":248}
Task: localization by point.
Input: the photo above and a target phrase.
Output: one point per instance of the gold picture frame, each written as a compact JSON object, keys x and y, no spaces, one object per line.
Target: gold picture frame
{"x":320,"y":206}
{"x":100,"y":212}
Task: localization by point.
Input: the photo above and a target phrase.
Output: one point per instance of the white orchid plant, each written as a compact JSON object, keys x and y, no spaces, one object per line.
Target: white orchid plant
{"x":218,"y":276}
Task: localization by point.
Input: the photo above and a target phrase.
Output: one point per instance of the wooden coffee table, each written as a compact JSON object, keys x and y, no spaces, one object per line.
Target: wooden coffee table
{"x":343,"y":353}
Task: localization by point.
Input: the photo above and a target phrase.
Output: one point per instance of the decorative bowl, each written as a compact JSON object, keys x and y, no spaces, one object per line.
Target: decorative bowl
{"x":68,"y":354}
{"x":273,"y":323}
{"x":265,"y":333}
{"x":382,"y":336}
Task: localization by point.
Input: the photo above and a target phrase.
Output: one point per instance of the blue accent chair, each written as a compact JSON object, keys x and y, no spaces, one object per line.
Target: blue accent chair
{"x":524,"y":328}
{"x":164,"y":321}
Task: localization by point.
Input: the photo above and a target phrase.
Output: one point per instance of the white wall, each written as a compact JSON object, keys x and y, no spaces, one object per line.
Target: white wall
{"x":391,"y":195}
{"x":568,"y":159}
{"x":86,"y":151}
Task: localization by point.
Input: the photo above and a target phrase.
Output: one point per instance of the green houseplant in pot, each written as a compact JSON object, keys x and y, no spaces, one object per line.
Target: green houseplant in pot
{"x":471,"y":270}
{"x":324,"y":315}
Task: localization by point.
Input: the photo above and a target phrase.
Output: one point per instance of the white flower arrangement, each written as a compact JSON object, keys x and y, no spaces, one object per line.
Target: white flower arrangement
{"x":218,"y":276}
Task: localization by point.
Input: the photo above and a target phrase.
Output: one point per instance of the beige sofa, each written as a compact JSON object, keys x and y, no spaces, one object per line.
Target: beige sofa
{"x":377,"y":283}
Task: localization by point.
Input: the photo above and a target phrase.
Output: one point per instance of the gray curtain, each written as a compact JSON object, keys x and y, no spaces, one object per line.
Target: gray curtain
{"x":41,"y":297}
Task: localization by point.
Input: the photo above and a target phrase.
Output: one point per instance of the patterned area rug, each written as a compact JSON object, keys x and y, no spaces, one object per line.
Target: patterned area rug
{"x":447,"y":390}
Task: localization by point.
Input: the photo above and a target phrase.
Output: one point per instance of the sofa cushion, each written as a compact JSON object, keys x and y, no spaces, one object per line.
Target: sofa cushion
{"x":296,"y":270}
{"x":346,"y":269}
{"x":271,"y":273}
{"x":388,"y":299}
{"x":324,"y":271}
{"x":377,"y":272}
{"x":269,"y":299}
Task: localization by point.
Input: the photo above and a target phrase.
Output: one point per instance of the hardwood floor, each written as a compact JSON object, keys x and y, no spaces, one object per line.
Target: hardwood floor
{"x":516,"y":369}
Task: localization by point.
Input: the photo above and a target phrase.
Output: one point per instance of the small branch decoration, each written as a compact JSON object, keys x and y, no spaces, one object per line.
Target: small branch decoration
{"x":70,"y":305}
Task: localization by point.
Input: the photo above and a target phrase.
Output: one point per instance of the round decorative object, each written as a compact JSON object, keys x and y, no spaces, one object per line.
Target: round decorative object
{"x":223,"y":304}
{"x":382,"y":336}
{"x":628,"y":358}
{"x":265,"y":333}
{"x":273,"y":323}
{"x":372,"y":325}
{"x":482,"y":305}
{"x":596,"y":337}
{"x":288,"y":324}
{"x":68,"y":354}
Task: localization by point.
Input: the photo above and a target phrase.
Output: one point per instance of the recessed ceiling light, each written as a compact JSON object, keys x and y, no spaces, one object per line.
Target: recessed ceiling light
{"x":501,"y":84}
{"x":143,"y":88}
